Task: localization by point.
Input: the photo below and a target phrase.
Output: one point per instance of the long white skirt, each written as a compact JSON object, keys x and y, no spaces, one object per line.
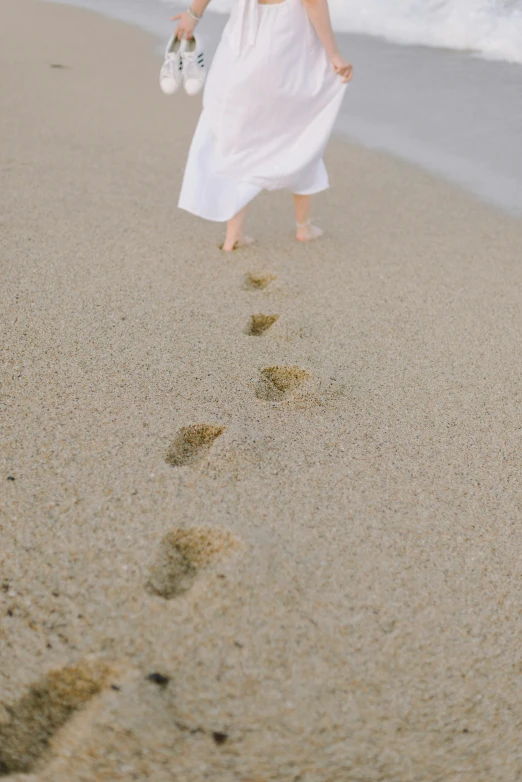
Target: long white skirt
{"x":269,"y":107}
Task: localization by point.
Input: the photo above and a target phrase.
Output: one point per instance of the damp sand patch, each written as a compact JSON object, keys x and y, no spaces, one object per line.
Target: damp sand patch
{"x":43,"y":710}
{"x":259,"y":324}
{"x":277,"y":382}
{"x":191,"y":444}
{"x":183,"y":553}
{"x":259,"y":280}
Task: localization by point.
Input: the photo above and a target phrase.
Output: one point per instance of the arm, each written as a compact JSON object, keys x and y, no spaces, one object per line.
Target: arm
{"x":319,"y":15}
{"x":188,"y":21}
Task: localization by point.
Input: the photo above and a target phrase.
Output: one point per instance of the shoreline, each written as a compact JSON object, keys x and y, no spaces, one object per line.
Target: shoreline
{"x":205,"y":572}
{"x":421,"y":105}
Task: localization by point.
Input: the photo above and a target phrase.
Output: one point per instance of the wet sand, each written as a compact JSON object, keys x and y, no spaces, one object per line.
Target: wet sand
{"x":236,"y":556}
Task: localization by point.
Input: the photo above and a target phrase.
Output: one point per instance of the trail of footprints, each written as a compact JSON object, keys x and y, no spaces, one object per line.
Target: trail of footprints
{"x":35,"y":719}
{"x":182,"y":555}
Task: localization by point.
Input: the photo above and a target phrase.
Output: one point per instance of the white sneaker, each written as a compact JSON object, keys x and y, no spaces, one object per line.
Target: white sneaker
{"x":171,"y":74}
{"x":193,"y":66}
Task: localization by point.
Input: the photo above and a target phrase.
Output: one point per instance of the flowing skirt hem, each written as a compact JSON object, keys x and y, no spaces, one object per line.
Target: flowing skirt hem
{"x":212,"y":195}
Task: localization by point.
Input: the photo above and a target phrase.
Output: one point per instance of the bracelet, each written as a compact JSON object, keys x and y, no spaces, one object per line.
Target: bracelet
{"x":193,"y":15}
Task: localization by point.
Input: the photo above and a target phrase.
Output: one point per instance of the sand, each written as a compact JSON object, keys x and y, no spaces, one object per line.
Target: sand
{"x":329,"y":588}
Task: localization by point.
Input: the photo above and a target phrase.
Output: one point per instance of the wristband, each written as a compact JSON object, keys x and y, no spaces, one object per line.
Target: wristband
{"x":193,"y":15}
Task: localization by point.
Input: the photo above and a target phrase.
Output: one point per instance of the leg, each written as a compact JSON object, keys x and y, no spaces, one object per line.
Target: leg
{"x":235,"y":238}
{"x":306,"y":232}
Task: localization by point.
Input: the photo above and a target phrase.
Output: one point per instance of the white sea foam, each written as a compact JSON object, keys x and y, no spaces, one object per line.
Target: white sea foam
{"x":491,"y":28}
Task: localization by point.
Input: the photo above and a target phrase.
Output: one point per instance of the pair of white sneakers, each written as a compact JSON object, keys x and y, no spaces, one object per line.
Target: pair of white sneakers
{"x":184,"y":64}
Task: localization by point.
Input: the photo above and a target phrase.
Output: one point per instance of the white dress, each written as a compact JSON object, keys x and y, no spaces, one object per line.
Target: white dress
{"x":269,"y":106}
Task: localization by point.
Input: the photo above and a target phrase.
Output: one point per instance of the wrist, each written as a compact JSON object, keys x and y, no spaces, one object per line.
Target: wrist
{"x":193,"y":15}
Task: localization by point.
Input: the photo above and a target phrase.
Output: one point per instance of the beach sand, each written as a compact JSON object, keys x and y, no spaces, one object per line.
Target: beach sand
{"x":236,"y":556}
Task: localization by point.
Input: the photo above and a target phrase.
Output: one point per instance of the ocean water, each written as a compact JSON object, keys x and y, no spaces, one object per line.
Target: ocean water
{"x":452,"y":107}
{"x":492,"y":28}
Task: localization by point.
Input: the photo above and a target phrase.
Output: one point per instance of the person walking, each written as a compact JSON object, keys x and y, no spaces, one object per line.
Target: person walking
{"x":270,"y":102}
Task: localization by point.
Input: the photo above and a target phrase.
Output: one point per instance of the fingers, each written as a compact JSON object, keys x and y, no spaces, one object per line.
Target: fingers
{"x":181,"y":33}
{"x":346,"y":72}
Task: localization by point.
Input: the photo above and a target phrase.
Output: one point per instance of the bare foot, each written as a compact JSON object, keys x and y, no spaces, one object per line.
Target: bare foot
{"x":230,"y":245}
{"x":308,"y":232}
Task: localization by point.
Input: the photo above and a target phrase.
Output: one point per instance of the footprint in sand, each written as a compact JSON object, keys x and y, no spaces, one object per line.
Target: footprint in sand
{"x":43,"y":710}
{"x":276,"y":383}
{"x":260,"y":323}
{"x":191,"y":443}
{"x":183,"y":553}
{"x":259,"y":280}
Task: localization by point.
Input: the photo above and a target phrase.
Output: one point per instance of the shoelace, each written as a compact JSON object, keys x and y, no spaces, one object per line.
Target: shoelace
{"x":169,"y":67}
{"x":191,"y":66}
